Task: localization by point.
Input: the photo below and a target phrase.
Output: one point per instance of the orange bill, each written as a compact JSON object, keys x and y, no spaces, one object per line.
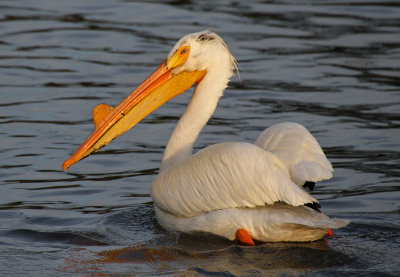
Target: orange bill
{"x":158,"y":88}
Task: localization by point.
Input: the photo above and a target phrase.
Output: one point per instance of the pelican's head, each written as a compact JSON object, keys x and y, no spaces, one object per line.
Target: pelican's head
{"x":200,"y":51}
{"x":188,"y":62}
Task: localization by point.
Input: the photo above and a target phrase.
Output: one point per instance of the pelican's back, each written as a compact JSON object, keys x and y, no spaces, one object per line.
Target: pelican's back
{"x":298,"y":150}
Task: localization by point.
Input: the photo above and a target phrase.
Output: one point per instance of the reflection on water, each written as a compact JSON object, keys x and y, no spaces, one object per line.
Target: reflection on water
{"x":204,"y":254}
{"x":331,"y":66}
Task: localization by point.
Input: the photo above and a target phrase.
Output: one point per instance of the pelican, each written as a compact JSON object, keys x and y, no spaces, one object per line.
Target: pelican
{"x":237,"y":190}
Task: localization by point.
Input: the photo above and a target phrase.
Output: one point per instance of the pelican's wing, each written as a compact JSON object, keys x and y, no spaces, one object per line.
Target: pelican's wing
{"x":226,"y":175}
{"x":298,"y":149}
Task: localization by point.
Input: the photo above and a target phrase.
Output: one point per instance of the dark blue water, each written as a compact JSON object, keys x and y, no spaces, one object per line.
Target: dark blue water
{"x":333,"y":66}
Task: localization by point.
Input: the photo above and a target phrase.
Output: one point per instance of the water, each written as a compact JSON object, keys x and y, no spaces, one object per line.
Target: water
{"x":332,"y":66}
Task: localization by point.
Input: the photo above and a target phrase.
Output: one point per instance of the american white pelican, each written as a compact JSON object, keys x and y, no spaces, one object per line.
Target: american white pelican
{"x":236,"y":190}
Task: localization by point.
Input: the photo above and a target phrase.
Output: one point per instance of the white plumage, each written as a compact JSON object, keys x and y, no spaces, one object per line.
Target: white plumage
{"x":298,"y":150}
{"x":254,"y":188}
{"x":223,"y":176}
{"x":234,"y":185}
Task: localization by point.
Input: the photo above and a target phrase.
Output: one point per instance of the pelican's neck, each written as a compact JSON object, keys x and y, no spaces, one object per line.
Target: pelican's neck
{"x":200,"y":109}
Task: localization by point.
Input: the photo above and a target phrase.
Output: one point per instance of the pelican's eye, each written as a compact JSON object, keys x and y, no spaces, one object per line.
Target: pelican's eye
{"x":179,"y":57}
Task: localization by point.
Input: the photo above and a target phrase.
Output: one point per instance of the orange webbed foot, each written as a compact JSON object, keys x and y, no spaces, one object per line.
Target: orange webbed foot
{"x":329,"y":233}
{"x":243,"y":236}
